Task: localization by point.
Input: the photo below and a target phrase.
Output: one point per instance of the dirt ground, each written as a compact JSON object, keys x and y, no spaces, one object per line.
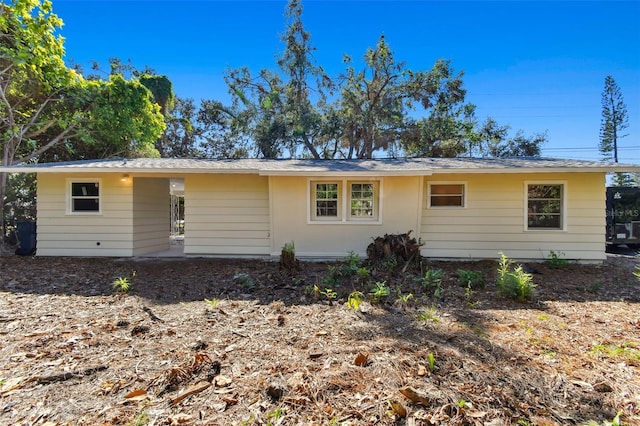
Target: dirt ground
{"x":243,"y":342}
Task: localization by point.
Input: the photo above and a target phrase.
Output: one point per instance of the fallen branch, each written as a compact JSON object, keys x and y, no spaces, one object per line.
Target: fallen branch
{"x":61,"y":377}
{"x":151,"y":314}
{"x":191,"y":390}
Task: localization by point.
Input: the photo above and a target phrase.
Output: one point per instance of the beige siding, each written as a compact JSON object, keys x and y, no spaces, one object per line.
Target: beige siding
{"x":399,"y":203}
{"x":494,"y":219}
{"x":151,"y":215}
{"x":227,"y":215}
{"x":62,"y":234}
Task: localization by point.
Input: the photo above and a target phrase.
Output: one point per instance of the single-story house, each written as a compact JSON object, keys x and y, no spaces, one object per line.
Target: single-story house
{"x":458,"y":208}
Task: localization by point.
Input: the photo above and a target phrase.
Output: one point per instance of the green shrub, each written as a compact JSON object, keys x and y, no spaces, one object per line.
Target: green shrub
{"x":555,"y":260}
{"x":513,"y":281}
{"x":472,"y":279}
{"x":380,"y":292}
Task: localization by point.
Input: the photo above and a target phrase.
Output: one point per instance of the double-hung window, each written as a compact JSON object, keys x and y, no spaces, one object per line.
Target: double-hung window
{"x":545,"y":206}
{"x":344,"y":201}
{"x":84,"y":196}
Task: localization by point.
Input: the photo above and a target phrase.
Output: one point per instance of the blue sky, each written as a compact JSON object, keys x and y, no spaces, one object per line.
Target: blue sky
{"x":534,"y":65}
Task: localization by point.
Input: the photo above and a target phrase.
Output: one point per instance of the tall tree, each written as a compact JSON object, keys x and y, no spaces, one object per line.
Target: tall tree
{"x":284,"y":110}
{"x":377,"y":102}
{"x":45,"y":105}
{"x":614,"y":119}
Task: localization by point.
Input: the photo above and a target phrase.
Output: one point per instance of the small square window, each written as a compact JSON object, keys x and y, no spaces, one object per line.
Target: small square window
{"x":84,"y":197}
{"x":446,"y":195}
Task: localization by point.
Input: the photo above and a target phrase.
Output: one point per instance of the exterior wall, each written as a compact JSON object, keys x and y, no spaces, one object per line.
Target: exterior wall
{"x":62,"y":234}
{"x":399,"y":204}
{"x":227,"y":215}
{"x":494,"y":219}
{"x":151,"y":215}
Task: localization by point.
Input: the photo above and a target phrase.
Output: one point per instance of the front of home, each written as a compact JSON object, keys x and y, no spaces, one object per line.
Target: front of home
{"x":457,"y":208}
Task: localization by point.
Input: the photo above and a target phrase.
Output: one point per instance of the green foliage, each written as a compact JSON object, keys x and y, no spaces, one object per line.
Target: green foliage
{"x":245,"y":280}
{"x":636,"y":273}
{"x":614,"y":119}
{"x":513,"y":281}
{"x":404,"y":299}
{"x":471,"y":279}
{"x":380,"y":292}
{"x":626,"y":351}
{"x":212,"y":302}
{"x":355,"y":300}
{"x":428,"y":315}
{"x":274,"y":415}
{"x":433,"y":279}
{"x":555,"y":260}
{"x":289,"y":248}
{"x":469,"y":297}
{"x":328,"y":293}
{"x":431,"y":359}
{"x":123,"y":284}
{"x":352,"y":266}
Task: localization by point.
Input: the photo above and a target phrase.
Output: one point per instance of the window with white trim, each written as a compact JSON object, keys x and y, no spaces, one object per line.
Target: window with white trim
{"x":345,"y":201}
{"x":545,"y":206}
{"x":363,"y":200}
{"x":326,"y":200}
{"x":446,"y":195}
{"x":84,"y":197}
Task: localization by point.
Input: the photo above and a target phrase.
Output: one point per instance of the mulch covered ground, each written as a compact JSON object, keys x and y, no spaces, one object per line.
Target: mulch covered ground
{"x":222,"y":342}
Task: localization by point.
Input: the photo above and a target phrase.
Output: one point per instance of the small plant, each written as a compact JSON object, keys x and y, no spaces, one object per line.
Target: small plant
{"x":473,"y":279}
{"x":289,"y":248}
{"x":355,"y":300}
{"x":428,"y":315}
{"x":380,"y":292}
{"x":244,"y":280}
{"x":431,"y":359}
{"x":123,"y":284}
{"x":594,"y":287}
{"x":636,"y":273}
{"x":274,"y":415}
{"x":468,"y":295}
{"x":404,"y":299}
{"x":433,"y":278}
{"x":513,"y":281}
{"x":212,"y":302}
{"x":555,"y":260}
{"x":328,"y":293}
{"x":390,"y":263}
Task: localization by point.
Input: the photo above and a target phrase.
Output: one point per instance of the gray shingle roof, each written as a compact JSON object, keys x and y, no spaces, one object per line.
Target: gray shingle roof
{"x":410,"y":166}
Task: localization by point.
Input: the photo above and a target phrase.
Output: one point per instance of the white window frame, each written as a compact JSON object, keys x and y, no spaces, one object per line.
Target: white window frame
{"x":313,"y":206}
{"x":563,"y":205}
{"x":375,"y":200}
{"x":344,"y":202}
{"x":70,"y":196}
{"x":442,"y":183}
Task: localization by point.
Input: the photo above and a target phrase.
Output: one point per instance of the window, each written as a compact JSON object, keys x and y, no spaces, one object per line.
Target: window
{"x":326,"y":201}
{"x":363,"y":201}
{"x":545,"y":206}
{"x":344,"y":201}
{"x":84,"y":197}
{"x":446,"y":195}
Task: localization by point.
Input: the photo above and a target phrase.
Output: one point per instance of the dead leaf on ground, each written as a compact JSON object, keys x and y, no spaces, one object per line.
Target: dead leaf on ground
{"x":414,"y":396}
{"x":398,"y":409}
{"x":361,"y":360}
{"x":136,"y":395}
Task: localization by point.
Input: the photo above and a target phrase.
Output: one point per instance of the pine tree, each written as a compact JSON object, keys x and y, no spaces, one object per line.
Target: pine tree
{"x":614,"y":119}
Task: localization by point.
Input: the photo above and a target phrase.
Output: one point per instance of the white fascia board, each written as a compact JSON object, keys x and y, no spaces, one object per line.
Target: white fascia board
{"x":335,"y":173}
{"x":635,"y":169}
